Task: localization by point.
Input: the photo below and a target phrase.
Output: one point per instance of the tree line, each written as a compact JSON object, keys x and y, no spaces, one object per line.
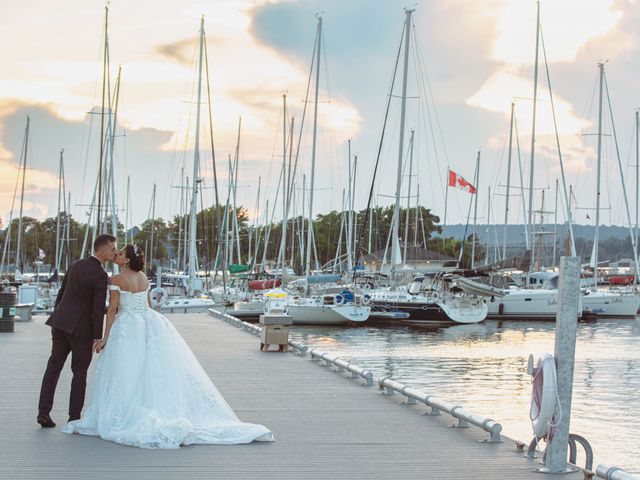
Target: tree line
{"x":165,"y":240}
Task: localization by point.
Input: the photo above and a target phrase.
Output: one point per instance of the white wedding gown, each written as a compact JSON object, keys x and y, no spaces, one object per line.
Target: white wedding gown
{"x":149,"y":390}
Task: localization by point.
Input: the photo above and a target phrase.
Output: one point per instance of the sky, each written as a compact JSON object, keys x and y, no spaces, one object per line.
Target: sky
{"x":468,"y":62}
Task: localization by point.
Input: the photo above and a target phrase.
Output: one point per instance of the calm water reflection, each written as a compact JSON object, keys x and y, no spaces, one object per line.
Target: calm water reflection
{"x":484,"y":368}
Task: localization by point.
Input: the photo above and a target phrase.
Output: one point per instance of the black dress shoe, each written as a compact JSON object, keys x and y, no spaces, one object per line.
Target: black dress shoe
{"x":72,"y":419}
{"x":45,"y":421}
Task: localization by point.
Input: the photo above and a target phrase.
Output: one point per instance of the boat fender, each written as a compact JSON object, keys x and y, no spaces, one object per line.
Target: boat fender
{"x":501,"y":309}
{"x":544,"y":396}
{"x":366,"y":299}
{"x":159,"y":296}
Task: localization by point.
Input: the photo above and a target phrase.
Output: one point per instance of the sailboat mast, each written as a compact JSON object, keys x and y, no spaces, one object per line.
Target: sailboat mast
{"x":339,"y":244}
{"x":313,"y":148}
{"x":403,"y":111}
{"x":196,"y":170}
{"x":406,"y":221}
{"x":113,"y":123}
{"x":57,"y":255}
{"x":283,"y":236}
{"x":235,"y":228}
{"x":637,"y":177}
{"x":370,"y":230}
{"x":302,"y":217}
{"x":104,"y":87}
{"x":153,"y":225}
{"x":67,"y":223}
{"x":533,"y":129}
{"x":506,"y":201}
{"x":598,"y":169}
{"x":350,"y":212}
{"x":290,"y":191}
{"x":24,"y":174}
{"x":415,"y":226}
{"x":127,"y":213}
{"x":555,"y":223}
{"x":253,"y":256}
{"x":475,"y":214}
{"x":486,"y":242}
{"x":185,"y":240}
{"x":354,"y":234}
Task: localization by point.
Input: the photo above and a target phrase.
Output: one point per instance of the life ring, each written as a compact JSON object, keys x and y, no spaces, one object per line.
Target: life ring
{"x":159,"y":296}
{"x":544,"y":396}
{"x":366,"y":286}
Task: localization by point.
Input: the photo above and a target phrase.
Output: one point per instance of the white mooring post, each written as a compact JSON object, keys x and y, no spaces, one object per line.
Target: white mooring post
{"x":565,"y":352}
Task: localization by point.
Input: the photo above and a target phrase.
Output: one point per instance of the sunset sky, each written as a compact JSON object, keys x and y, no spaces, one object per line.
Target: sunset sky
{"x":472,"y":59}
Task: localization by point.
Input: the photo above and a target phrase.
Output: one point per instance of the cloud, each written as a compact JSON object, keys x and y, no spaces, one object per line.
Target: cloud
{"x":565,"y":39}
{"x":177,"y":51}
{"x":38,"y":185}
{"x":495,"y":93}
{"x":136,"y":154}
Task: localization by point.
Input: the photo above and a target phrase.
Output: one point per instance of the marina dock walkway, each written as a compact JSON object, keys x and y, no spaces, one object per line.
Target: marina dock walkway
{"x":326,"y":427}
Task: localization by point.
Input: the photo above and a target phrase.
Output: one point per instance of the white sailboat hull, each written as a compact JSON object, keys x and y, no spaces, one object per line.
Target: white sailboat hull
{"x":187,"y":305}
{"x":327,"y":314}
{"x":525,"y":303}
{"x":605,"y":304}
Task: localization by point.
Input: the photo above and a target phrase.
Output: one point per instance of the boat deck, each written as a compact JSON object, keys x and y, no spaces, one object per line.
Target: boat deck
{"x":326,"y":427}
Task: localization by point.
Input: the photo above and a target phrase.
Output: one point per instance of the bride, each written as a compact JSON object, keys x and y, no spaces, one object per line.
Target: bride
{"x":148,"y":389}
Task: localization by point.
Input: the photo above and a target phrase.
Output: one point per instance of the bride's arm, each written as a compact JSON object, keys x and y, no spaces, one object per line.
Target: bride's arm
{"x":114,"y":301}
{"x":148,"y":291}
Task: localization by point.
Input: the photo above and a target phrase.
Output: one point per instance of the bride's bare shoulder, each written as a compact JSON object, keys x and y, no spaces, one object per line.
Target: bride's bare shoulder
{"x":144,"y":278}
{"x":117,"y":283}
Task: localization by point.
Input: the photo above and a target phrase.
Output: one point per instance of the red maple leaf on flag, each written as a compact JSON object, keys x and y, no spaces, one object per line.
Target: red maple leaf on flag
{"x":458,"y":181}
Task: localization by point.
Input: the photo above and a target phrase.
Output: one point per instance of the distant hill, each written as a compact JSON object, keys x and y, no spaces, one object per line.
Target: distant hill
{"x":515,"y":233}
{"x":614,"y":242}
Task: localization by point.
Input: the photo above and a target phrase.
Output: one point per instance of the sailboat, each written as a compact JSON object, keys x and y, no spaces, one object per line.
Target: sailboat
{"x":322,"y":309}
{"x":191,"y":303}
{"x":608,"y":303}
{"x":424,"y":302}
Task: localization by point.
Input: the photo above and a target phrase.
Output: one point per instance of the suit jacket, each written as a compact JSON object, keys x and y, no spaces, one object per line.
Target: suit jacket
{"x":80,"y":304}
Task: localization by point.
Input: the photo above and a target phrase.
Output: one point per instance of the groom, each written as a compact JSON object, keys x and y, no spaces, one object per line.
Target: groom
{"x":76,"y":327}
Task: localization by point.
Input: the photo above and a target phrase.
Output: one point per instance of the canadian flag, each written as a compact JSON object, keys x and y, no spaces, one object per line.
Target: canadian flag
{"x":457,"y":181}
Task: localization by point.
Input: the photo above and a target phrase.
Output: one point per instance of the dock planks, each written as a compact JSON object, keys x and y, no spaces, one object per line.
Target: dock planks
{"x":326,"y":427}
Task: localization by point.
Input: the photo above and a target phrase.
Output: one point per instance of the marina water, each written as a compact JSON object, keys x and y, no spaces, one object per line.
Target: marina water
{"x":483,"y":367}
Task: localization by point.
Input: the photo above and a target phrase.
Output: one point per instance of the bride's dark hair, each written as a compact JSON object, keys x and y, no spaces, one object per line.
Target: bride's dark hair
{"x":135,"y":256}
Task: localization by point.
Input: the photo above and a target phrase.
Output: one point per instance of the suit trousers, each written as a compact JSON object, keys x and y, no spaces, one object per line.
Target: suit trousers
{"x":80,"y":348}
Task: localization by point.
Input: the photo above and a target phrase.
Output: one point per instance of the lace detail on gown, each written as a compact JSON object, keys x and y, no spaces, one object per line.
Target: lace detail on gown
{"x":148,"y":389}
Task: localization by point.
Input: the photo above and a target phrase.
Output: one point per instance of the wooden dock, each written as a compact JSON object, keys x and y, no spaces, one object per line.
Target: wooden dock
{"x":326,"y":426}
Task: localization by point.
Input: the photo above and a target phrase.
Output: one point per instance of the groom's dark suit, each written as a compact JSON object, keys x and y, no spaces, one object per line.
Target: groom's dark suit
{"x":76,"y":321}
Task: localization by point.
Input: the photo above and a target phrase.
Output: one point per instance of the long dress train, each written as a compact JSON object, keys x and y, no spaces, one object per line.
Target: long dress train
{"x":149,"y":390}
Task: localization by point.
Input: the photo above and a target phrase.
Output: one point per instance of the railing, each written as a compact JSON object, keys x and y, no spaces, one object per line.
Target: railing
{"x":343,"y":365}
{"x":390,"y":386}
{"x":614,"y":473}
{"x":464,"y":418}
{"x":254,"y":329}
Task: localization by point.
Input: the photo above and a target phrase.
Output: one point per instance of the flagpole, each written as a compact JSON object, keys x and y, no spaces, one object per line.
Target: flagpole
{"x":475,"y":213}
{"x":446,"y":198}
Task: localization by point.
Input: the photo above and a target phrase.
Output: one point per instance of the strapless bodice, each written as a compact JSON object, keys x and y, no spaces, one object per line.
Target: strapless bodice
{"x":131,"y":301}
